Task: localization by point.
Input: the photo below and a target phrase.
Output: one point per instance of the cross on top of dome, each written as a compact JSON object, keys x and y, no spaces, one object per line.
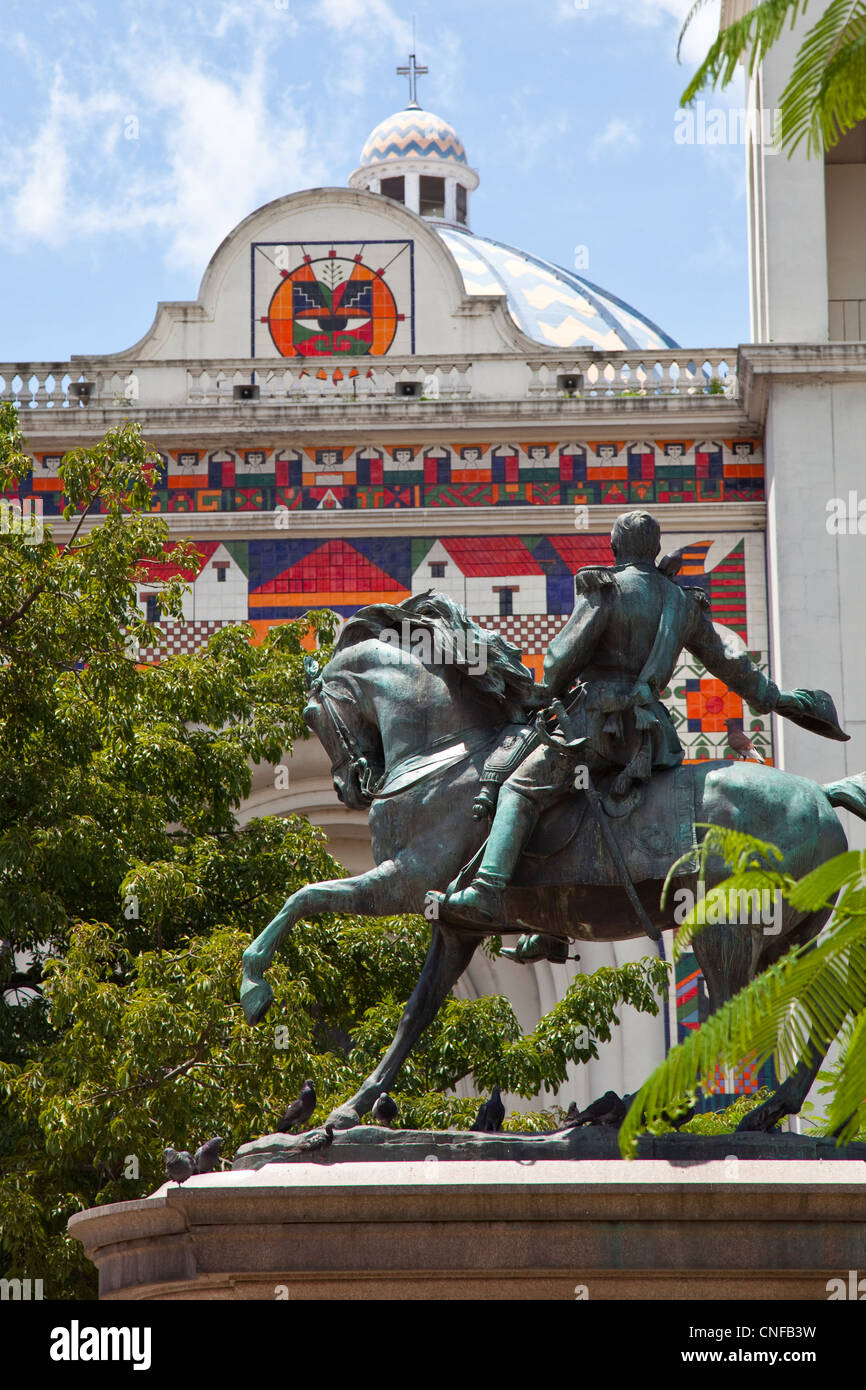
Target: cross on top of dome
{"x":413,"y":72}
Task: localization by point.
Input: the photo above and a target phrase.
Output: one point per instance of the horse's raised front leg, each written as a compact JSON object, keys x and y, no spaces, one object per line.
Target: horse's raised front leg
{"x":376,"y":893}
{"x":449,"y":954}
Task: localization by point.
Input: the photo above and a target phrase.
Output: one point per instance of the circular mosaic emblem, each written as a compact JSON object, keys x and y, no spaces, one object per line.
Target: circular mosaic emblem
{"x":332,"y":307}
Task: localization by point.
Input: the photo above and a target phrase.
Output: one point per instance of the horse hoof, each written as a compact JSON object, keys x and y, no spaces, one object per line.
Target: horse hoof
{"x":344,"y":1117}
{"x":256,"y":998}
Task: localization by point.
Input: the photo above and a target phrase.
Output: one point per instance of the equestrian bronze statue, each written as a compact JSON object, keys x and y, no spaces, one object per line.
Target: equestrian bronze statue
{"x":436,"y":725}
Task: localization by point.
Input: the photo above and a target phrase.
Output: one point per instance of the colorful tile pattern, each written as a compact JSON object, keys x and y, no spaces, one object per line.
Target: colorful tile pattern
{"x":332,"y":299}
{"x":691,"y":1006}
{"x":436,"y":474}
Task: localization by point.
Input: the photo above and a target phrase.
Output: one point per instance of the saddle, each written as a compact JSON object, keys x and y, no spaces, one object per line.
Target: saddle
{"x":567,"y":845}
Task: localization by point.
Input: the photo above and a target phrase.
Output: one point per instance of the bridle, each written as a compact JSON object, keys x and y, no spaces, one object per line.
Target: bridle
{"x":364,"y":775}
{"x":441,"y":754}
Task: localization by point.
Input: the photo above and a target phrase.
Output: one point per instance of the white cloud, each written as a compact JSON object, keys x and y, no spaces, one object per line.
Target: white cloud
{"x":618,"y":137}
{"x":225,"y":154}
{"x":670,"y":13}
{"x":40,"y":173}
{"x":206,"y":150}
{"x":365,"y":15}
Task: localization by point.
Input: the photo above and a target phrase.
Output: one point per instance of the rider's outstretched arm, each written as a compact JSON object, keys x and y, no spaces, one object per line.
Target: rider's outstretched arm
{"x":737,"y":670}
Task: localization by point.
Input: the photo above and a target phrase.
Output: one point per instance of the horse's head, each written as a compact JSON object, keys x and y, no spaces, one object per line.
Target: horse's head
{"x":334,"y":713}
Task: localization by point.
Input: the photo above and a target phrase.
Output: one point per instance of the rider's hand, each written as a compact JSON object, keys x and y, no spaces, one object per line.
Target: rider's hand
{"x":794,"y":702}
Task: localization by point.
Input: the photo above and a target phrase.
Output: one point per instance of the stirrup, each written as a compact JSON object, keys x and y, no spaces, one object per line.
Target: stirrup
{"x":477,"y":905}
{"x":535,"y":946}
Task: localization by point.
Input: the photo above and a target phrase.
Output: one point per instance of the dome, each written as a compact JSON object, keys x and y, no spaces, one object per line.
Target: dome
{"x":413,"y":133}
{"x":554,"y":306}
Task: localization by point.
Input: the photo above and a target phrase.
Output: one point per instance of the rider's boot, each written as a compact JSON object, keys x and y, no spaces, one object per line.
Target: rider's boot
{"x":481,"y":903}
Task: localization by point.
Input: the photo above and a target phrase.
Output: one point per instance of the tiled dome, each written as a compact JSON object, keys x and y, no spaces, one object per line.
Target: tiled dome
{"x":413,"y":133}
{"x":554,"y":306}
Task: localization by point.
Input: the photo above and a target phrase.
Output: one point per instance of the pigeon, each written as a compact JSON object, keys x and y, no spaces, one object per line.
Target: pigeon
{"x":299,"y":1111}
{"x":490,"y":1116}
{"x":314,"y":1140}
{"x":207,"y":1158}
{"x":607,"y":1110}
{"x":741,"y":743}
{"x":385,"y":1110}
{"x":572,"y":1116}
{"x":179,"y":1165}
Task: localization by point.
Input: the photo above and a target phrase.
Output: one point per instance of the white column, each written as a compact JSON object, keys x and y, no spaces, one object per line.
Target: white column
{"x":788,"y":233}
{"x":450,"y":200}
{"x":413,"y":192}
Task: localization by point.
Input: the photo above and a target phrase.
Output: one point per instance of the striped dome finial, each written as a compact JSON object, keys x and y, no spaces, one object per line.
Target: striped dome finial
{"x":413,"y":133}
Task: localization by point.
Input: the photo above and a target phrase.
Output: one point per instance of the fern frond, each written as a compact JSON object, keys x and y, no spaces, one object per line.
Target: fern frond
{"x":848,"y":1109}
{"x":753,"y":35}
{"x":797,"y":1005}
{"x":819,"y":887}
{"x":825,"y":94}
{"x":696,"y":7}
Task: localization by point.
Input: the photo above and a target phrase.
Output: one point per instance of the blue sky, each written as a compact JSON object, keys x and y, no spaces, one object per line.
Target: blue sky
{"x":135,"y":134}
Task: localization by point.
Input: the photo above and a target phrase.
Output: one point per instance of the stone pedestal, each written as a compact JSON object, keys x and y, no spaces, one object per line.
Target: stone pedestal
{"x":491,"y":1229}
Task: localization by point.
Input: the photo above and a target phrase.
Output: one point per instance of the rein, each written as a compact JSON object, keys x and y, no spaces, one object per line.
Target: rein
{"x":440,"y":755}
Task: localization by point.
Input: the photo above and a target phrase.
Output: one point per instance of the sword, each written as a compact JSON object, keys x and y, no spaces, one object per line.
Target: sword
{"x":604,"y":826}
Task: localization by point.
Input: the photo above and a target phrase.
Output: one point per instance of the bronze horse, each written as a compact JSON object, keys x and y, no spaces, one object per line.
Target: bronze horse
{"x":412,"y":702}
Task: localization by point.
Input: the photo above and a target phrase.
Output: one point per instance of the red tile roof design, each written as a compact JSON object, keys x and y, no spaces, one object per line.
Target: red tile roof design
{"x":160,"y":571}
{"x":335,"y":567}
{"x":494,"y":556}
{"x":579,"y":551}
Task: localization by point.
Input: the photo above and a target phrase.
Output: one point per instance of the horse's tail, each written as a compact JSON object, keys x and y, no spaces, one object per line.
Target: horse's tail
{"x":849,"y":793}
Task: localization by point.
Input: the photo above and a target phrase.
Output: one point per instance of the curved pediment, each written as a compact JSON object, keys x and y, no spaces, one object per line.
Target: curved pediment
{"x":330,"y":272}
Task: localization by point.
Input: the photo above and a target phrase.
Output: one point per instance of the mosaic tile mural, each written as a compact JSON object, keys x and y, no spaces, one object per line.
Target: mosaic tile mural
{"x":332,"y":299}
{"x":522,"y":585}
{"x":483,"y":474}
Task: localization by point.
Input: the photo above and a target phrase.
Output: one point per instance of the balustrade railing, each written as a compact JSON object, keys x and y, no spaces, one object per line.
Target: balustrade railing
{"x":44,"y":386}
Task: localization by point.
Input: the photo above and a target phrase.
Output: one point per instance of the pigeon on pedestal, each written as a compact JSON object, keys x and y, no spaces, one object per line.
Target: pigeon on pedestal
{"x":607,"y":1110}
{"x":179,"y":1165}
{"x":299,"y":1111}
{"x":207,"y":1158}
{"x":490,"y":1116}
{"x":385,"y":1110}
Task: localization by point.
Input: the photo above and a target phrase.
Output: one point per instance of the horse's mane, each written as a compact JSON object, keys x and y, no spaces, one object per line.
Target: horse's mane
{"x":499,"y":674}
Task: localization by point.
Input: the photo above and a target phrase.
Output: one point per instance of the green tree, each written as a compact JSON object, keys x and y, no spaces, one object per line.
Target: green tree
{"x":814,"y":995}
{"x":826,"y":93}
{"x":129,"y":889}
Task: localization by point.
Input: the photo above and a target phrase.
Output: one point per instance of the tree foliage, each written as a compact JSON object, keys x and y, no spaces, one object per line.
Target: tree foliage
{"x":129,"y":888}
{"x":826,"y":93}
{"x":794,"y":1009}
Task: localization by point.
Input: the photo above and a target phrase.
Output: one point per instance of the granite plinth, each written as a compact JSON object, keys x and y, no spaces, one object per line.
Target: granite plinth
{"x":487,"y":1229}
